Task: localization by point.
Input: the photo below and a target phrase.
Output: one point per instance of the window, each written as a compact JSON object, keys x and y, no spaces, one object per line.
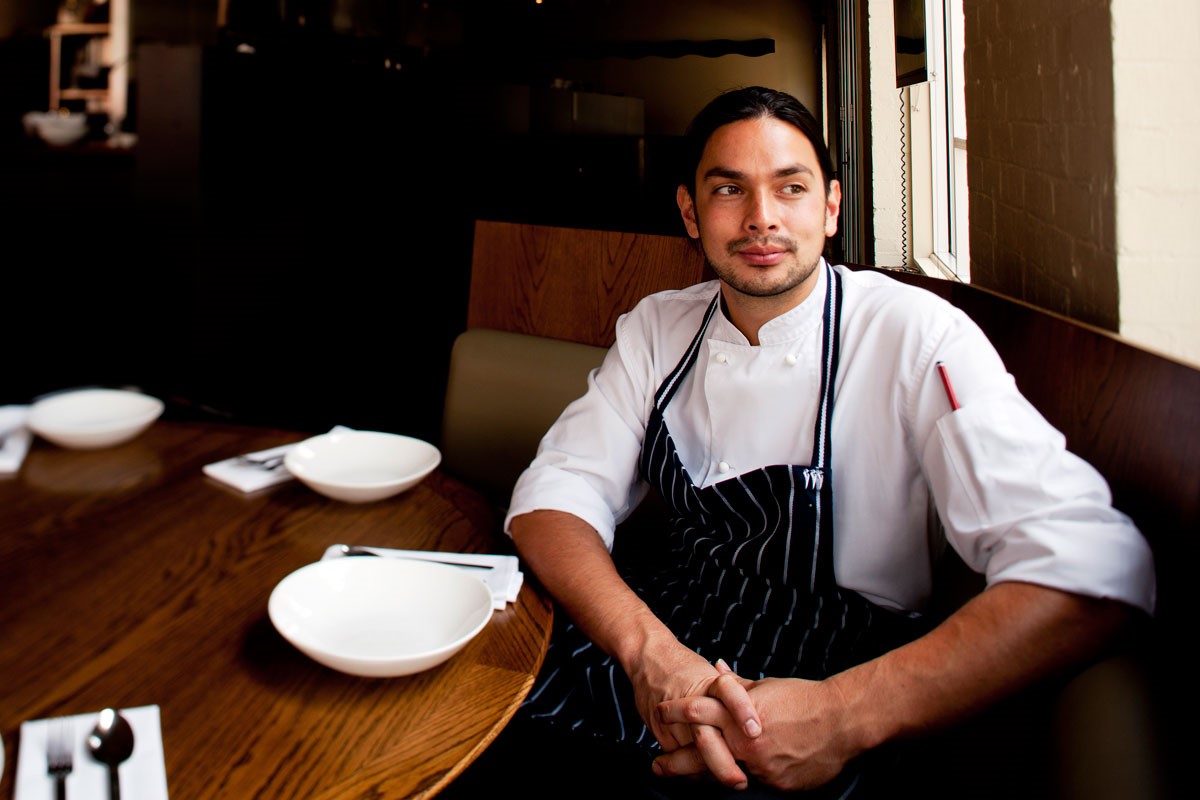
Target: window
{"x":947,"y":209}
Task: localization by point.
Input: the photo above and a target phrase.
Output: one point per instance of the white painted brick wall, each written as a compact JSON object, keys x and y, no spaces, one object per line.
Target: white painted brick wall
{"x":1156,"y":63}
{"x":886,"y":187}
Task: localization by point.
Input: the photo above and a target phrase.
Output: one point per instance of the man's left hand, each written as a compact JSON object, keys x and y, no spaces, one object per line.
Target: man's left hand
{"x":803,"y":744}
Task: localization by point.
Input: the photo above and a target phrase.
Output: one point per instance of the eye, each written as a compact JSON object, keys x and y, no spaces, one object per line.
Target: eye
{"x":795,"y":189}
{"x":728,"y":190}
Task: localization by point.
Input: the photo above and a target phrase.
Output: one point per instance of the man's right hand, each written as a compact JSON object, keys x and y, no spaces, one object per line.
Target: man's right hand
{"x":572,"y":562}
{"x":670,"y":671}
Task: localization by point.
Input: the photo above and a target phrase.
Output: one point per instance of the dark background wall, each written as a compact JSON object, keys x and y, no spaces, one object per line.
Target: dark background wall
{"x":289,"y":242}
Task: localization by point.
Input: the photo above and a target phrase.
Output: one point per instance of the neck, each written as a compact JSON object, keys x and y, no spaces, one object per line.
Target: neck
{"x":749,"y":313}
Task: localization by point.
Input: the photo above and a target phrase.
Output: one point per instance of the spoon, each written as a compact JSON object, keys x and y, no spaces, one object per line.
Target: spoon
{"x":111,"y":742}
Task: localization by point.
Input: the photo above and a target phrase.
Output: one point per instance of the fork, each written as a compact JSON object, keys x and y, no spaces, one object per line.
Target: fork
{"x":267,"y":463}
{"x":60,"y":753}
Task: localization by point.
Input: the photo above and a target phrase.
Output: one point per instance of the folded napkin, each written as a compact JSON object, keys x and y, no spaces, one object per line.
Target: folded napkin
{"x":143,"y":776}
{"x":16,"y":436}
{"x":240,"y":473}
{"x":504,"y":578}
{"x":245,"y":476}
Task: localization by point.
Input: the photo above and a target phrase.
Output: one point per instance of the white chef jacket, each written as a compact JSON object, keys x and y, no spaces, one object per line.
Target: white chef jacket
{"x":1013,"y":502}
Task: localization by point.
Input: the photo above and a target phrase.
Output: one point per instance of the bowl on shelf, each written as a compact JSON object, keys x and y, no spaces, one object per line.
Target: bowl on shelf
{"x":55,"y":127}
{"x":379,"y":617}
{"x":361,"y":466}
{"x":93,"y":418}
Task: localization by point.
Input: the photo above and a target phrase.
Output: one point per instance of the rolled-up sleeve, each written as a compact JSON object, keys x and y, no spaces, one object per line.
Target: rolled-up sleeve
{"x":1014,"y":502}
{"x":587,"y":463}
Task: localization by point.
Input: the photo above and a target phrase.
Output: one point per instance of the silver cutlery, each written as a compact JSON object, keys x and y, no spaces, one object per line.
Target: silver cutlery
{"x":110,"y":743}
{"x":355,"y":550}
{"x":60,"y":755}
{"x":268,"y":463}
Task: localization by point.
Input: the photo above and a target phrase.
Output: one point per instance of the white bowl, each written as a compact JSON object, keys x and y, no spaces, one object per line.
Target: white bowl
{"x":379,"y":617}
{"x":361,"y":466}
{"x":55,"y":128}
{"x":92,"y":418}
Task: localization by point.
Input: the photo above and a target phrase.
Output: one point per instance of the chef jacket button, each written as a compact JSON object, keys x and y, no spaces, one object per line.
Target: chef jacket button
{"x":790,"y":360}
{"x":723,"y":466}
{"x":722,"y":358}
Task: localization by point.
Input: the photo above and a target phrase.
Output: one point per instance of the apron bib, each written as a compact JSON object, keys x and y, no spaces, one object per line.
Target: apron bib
{"x":744,"y":573}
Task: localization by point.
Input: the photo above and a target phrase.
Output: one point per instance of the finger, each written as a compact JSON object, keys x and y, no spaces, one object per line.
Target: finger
{"x":717,"y":757}
{"x":682,"y":762}
{"x":691,"y":760}
{"x":725,"y":669}
{"x":671,"y":737}
{"x":733,"y":695}
{"x":694,"y":710}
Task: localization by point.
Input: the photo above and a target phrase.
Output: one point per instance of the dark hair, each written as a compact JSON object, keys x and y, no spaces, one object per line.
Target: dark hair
{"x":752,"y":102}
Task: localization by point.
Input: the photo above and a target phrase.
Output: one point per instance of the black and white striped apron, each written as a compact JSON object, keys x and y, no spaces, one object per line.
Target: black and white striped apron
{"x":746,"y":573}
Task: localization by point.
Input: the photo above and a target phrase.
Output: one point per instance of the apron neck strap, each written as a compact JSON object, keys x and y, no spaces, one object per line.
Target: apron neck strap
{"x":830,"y":349}
{"x":669,"y":386}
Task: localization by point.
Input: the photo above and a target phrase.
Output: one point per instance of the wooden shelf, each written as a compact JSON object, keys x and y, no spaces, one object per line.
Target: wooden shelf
{"x":83,"y":94}
{"x":78,"y":28}
{"x":110,"y":50}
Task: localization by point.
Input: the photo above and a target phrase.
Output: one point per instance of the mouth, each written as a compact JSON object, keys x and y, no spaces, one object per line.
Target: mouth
{"x":763,"y":256}
{"x":764,"y":252}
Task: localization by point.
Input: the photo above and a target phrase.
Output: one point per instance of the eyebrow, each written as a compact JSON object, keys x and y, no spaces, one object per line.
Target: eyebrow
{"x":737,"y":175}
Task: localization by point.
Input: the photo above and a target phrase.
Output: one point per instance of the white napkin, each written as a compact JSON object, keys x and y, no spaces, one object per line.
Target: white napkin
{"x":17,"y":437}
{"x":504,"y":578}
{"x":250,"y":478}
{"x":143,"y":776}
{"x":246,"y":477}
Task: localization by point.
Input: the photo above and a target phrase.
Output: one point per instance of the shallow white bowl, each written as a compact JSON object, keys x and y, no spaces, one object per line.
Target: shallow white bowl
{"x":379,"y":617}
{"x":92,"y":418}
{"x":361,"y":466}
{"x":55,"y":128}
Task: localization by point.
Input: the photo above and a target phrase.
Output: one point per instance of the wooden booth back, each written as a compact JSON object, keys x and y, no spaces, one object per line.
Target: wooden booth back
{"x":570,"y":284}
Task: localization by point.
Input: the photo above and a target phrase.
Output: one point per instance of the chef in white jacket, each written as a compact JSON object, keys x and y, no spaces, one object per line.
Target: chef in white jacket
{"x":800,"y":419}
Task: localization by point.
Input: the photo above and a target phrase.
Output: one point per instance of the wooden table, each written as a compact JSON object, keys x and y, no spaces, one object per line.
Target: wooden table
{"x":129,"y":578}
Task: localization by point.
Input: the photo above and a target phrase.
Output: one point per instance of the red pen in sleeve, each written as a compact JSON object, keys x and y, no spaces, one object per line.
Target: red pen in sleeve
{"x":941,"y":368}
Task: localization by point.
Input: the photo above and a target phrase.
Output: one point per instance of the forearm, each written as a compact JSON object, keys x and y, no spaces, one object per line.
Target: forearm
{"x":573,"y":564}
{"x":1004,"y":639}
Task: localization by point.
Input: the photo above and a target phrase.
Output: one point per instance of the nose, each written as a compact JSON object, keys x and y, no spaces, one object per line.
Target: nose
{"x":761,"y":213}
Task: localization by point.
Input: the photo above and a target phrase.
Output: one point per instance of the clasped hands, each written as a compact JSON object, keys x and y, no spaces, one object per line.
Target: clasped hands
{"x":785,"y":732}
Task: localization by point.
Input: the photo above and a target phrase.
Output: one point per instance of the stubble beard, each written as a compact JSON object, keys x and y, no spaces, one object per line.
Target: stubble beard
{"x":798,"y":272}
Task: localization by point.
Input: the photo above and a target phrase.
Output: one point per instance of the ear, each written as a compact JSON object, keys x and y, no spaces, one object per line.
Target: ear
{"x":687,"y":209}
{"x":833,"y":204}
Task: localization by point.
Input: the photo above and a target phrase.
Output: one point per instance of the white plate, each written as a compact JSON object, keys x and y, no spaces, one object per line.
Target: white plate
{"x":92,"y":418}
{"x":361,"y":466}
{"x":379,"y":617}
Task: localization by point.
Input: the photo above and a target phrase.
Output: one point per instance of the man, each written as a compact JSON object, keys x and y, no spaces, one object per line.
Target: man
{"x":775,"y":637}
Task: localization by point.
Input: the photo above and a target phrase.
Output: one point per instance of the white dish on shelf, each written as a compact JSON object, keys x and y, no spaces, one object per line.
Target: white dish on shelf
{"x":56,"y":128}
{"x":379,"y":617}
{"x":361,"y":466}
{"x":93,"y":418}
